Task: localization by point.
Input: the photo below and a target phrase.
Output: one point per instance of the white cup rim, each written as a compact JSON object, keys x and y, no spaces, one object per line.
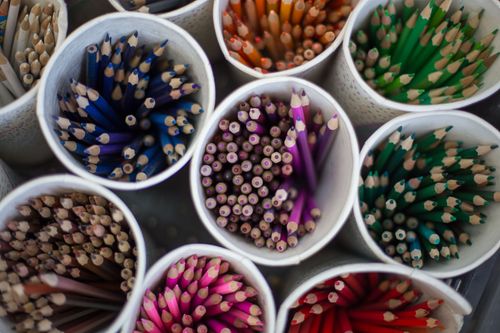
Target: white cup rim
{"x":74,"y":166}
{"x":168,"y":15}
{"x":205,"y":249}
{"x":374,"y":247}
{"x":288,"y":72}
{"x":31,"y":94}
{"x":68,"y":181}
{"x":208,"y":220}
{"x":458,"y":302}
{"x":381,"y":100}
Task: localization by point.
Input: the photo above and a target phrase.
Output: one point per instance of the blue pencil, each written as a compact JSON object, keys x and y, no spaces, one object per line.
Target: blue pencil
{"x":92,"y":66}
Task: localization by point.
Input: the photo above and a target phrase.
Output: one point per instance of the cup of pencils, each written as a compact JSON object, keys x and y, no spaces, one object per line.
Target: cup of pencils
{"x":269,"y":38}
{"x":30,"y":32}
{"x":274,"y":173}
{"x":220,"y":291}
{"x":73,"y":257}
{"x":361,"y":297}
{"x":195,"y":16}
{"x":126,"y":110}
{"x":416,"y":56}
{"x":434,"y":210}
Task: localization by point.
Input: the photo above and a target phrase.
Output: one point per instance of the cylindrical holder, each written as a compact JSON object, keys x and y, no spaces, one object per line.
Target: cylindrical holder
{"x":364,"y":105}
{"x":8,"y":179}
{"x":450,"y":313}
{"x":485,"y":238}
{"x":66,"y":183}
{"x":67,"y":63}
{"x":239,"y":264}
{"x":312,"y":70}
{"x":21,"y":140}
{"x":336,"y":187}
{"x":195,"y":18}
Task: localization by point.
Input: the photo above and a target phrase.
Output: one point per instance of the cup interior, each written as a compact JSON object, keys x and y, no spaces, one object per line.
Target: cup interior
{"x":65,"y":183}
{"x":472,"y":131}
{"x":336,"y":185}
{"x":489,"y":21}
{"x":69,"y":62}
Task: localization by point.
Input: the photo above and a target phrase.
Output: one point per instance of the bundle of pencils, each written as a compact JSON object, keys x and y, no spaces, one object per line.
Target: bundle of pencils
{"x":201,"y":294}
{"x":153,"y":6}
{"x":274,"y":35}
{"x":364,"y":303}
{"x":260,"y":170}
{"x":67,"y":263}
{"x":131,"y":119}
{"x":421,"y":56}
{"x":28,"y":37}
{"x":417,"y":194}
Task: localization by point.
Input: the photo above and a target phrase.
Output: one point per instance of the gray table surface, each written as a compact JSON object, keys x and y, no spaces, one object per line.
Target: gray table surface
{"x":162,"y":207}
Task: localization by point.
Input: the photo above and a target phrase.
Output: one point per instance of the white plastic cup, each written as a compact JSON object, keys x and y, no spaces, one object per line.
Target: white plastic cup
{"x":364,"y":105}
{"x":67,"y":63}
{"x":66,"y":183}
{"x":336,"y":186}
{"x":485,"y":238}
{"x":450,"y":313}
{"x":239,"y":264}
{"x":313,"y":70}
{"x":21,"y":141}
{"x":195,"y":18}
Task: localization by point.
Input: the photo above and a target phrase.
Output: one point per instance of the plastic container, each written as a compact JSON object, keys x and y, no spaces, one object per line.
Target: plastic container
{"x":450,"y":313}
{"x":238,"y":263}
{"x":19,"y":129}
{"x":312,"y":71}
{"x":67,"y":63}
{"x":60,"y":183}
{"x":195,"y":18}
{"x":485,"y":238}
{"x":364,"y":105}
{"x":336,"y":188}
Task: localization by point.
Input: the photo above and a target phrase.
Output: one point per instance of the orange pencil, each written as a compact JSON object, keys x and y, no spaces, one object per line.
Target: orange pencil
{"x":298,"y":12}
{"x":252,"y":53}
{"x":285,"y":10}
